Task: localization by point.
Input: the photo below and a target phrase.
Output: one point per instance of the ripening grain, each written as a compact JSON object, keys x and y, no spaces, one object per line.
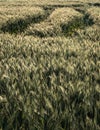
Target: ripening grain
{"x":11,"y":14}
{"x":94,"y":13}
{"x":52,"y":25}
{"x":64,"y":15}
{"x":49,"y":65}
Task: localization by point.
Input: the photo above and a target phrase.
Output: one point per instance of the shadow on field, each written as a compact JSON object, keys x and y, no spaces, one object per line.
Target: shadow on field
{"x":78,"y":23}
{"x":94,"y":4}
{"x":61,"y":6}
{"x":19,"y":25}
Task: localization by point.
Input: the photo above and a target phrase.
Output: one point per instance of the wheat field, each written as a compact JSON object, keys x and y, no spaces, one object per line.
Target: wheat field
{"x":49,"y":65}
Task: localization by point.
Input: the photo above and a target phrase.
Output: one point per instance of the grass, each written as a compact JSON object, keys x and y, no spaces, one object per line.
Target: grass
{"x":49,"y":66}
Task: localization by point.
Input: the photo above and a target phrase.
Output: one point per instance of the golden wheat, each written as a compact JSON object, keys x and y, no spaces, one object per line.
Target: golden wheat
{"x":49,"y":80}
{"x":94,"y":14}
